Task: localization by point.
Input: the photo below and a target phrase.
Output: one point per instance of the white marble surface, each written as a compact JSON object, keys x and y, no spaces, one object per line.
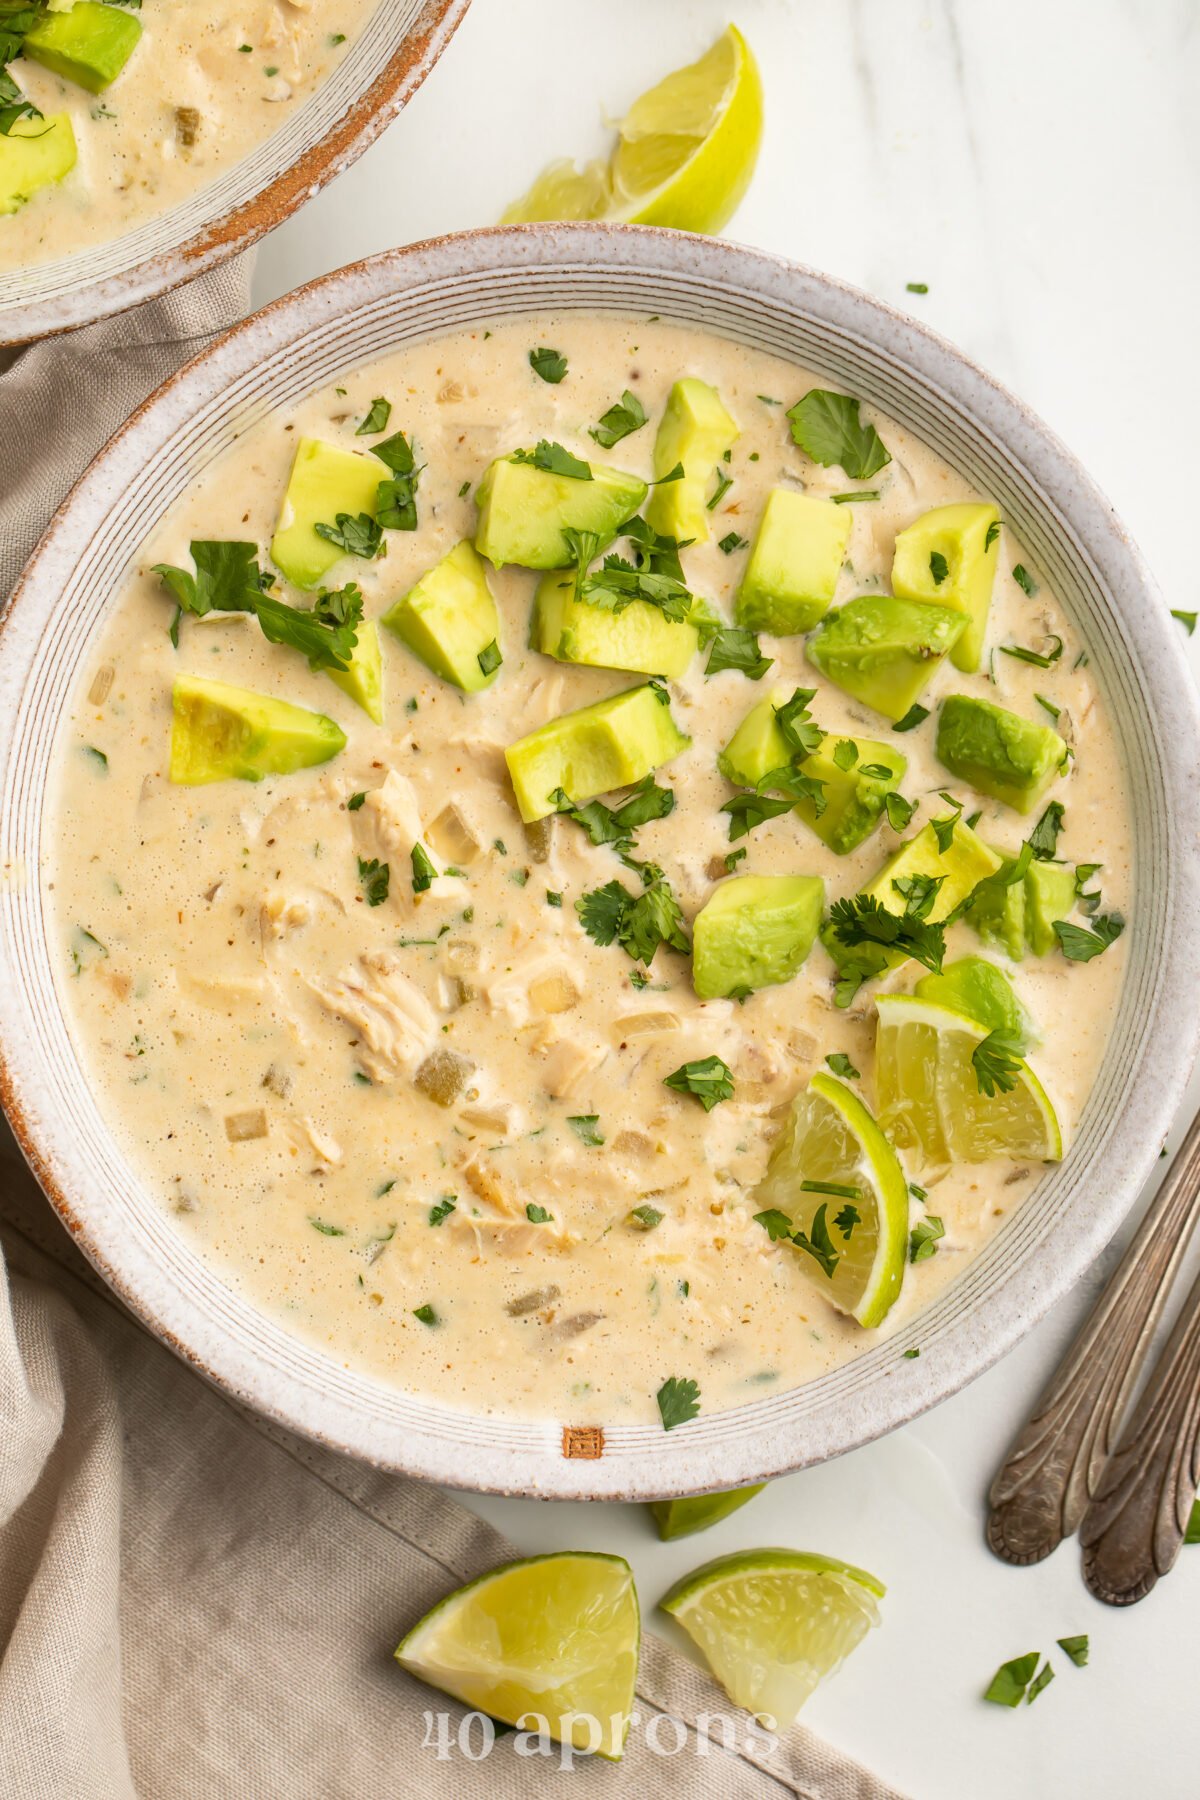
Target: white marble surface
{"x":1036,"y":162}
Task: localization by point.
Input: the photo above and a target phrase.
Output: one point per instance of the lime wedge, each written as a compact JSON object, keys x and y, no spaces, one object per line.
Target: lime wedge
{"x":562,"y":191}
{"x":831,"y":1142}
{"x":930,"y":1101}
{"x":680,"y":1518}
{"x":686,"y":152}
{"x":773,"y":1623}
{"x":552,"y":1636}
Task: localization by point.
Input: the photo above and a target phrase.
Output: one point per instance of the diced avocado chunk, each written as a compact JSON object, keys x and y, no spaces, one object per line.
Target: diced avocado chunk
{"x":998,"y":914}
{"x":793,"y":568}
{"x":882,"y":650}
{"x":89,"y":44}
{"x":590,"y":751}
{"x":974,"y":986}
{"x":1049,"y":895}
{"x":363,"y":680}
{"x":324,"y":482}
{"x":998,"y":752}
{"x":755,"y":932}
{"x":523,"y":511}
{"x":695,"y":430}
{"x":641,"y":638}
{"x":224,"y":733}
{"x":449,"y":620}
{"x":854,"y":797}
{"x":957,"y":544}
{"x":35,"y":153}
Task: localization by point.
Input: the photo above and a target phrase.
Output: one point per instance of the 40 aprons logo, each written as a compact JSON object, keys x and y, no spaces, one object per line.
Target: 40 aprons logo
{"x":474,"y":1735}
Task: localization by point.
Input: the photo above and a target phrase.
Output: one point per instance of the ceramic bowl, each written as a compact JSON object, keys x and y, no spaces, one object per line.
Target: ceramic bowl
{"x":379,"y":75}
{"x":357,"y":314}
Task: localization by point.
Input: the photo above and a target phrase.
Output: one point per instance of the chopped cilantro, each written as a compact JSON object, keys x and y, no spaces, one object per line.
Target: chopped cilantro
{"x":357,"y":535}
{"x":551,"y":365}
{"x":638,"y":923}
{"x":424,"y":873}
{"x":586,"y":1127}
{"x":552,"y":459}
{"x":840,"y":1063}
{"x":1040,"y":659}
{"x":376,"y":419}
{"x":709,"y":1079}
{"x":923,"y":1238}
{"x":426,"y":1315}
{"x":489,"y":658}
{"x":827,"y":427}
{"x":1024,"y":580}
{"x":1080,"y":945}
{"x":1077,"y":1647}
{"x":644,"y":1218}
{"x":1043,"y":839}
{"x":996,"y":1063}
{"x":440,"y":1211}
{"x":626,"y":415}
{"x":374,"y":877}
{"x":915,"y":716}
{"x":731,"y":542}
{"x":355,"y":801}
{"x":678,"y":1401}
{"x":734,"y":647}
{"x":537,"y":1215}
{"x":818,"y":1243}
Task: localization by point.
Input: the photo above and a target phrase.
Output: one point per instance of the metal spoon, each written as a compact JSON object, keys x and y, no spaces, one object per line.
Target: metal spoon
{"x":1055,"y":1468}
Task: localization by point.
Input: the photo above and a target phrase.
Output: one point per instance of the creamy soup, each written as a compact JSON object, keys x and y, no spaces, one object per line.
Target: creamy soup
{"x":201,"y":87}
{"x":351,"y":1023}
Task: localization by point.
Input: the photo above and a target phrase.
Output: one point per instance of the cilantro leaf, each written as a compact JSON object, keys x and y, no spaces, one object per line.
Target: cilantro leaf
{"x":996,"y":1063}
{"x":356,"y":535}
{"x":1024,"y":580}
{"x":326,"y":633}
{"x":734,"y":647}
{"x":1186,"y":619}
{"x":489,"y":658}
{"x":800,"y":733}
{"x":426,"y":1315}
{"x":709,"y":1079}
{"x":626,"y":415}
{"x":678,"y":1401}
{"x":376,"y":419}
{"x":923,"y":1238}
{"x":616,"y":824}
{"x":847,"y":1219}
{"x":939,"y":568}
{"x":639,"y":923}
{"x":537,"y":1215}
{"x":424,"y":873}
{"x":551,"y":365}
{"x":442,"y":1208}
{"x":747,"y":811}
{"x":840,"y":1063}
{"x":1080,"y":945}
{"x":375,"y":877}
{"x":644,"y":1218}
{"x":845,"y":754}
{"x":862,"y":920}
{"x":396,"y":500}
{"x":731,"y":542}
{"x":899,"y":811}
{"x":915,"y":715}
{"x":828,"y":428}
{"x":552,"y":459}
{"x":1007,"y":1686}
{"x":818,"y":1242}
{"x":1040,"y":659}
{"x":586,"y":1127}
{"x":776,"y":1224}
{"x":227,"y":578}
{"x":1077,"y":1647}
{"x":1043,"y":839}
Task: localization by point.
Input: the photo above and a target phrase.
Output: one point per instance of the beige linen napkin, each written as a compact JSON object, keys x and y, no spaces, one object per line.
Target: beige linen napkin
{"x":194,"y":1604}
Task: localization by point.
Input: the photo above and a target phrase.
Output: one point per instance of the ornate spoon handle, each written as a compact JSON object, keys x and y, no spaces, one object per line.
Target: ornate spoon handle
{"x":1133,"y":1529}
{"x":1043,"y":1488}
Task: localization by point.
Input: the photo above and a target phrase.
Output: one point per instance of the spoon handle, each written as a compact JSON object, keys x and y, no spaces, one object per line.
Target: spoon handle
{"x":1048,"y":1479}
{"x":1133,"y":1530}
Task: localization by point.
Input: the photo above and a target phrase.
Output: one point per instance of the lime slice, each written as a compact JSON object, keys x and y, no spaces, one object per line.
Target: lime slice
{"x":680,"y":1518}
{"x":562,"y":191}
{"x":553,"y":1636}
{"x":929,"y":1096}
{"x":831,"y":1140}
{"x":686,"y":151}
{"x":773,"y":1623}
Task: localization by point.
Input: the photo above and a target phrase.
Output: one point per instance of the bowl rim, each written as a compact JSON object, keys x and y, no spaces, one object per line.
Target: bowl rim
{"x":1027,"y":1290}
{"x":278,"y":197}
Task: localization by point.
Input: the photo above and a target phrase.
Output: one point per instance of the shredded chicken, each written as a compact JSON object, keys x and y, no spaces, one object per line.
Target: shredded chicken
{"x":388,"y":823}
{"x":394,"y":1021}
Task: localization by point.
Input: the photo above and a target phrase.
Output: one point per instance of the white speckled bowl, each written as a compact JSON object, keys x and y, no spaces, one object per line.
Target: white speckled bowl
{"x":1070,"y":531}
{"x":323,"y":135}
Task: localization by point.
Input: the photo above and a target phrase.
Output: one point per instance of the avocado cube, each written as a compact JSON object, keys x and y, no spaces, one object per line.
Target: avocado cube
{"x":695,"y":430}
{"x":363,"y":680}
{"x":957,"y":543}
{"x":590,"y":751}
{"x":641,"y":638}
{"x":998,"y":752}
{"x":89,"y":44}
{"x":854,"y":797}
{"x":882,"y":650}
{"x":324,"y":482}
{"x":794,"y":566}
{"x":35,"y":153}
{"x":224,"y":733}
{"x":755,"y":932}
{"x":449,"y":620}
{"x":974,"y":986}
{"x":998,"y":914}
{"x":1049,"y":895}
{"x":523,"y":511}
